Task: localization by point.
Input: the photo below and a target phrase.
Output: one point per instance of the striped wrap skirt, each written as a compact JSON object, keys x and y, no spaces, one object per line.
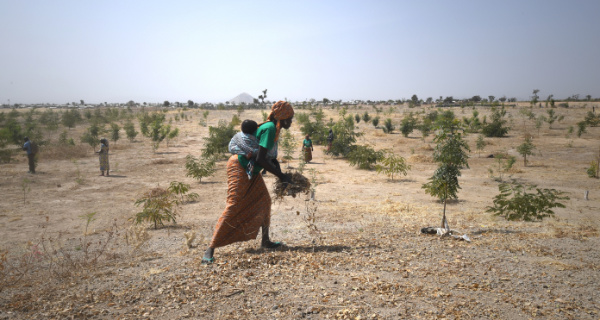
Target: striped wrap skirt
{"x":248,"y":207}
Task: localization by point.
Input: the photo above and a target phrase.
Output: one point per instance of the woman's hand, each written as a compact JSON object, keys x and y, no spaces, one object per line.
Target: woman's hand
{"x":286,"y":179}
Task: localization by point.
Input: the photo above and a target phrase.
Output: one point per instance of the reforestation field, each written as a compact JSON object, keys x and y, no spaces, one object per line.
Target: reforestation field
{"x":78,"y":245}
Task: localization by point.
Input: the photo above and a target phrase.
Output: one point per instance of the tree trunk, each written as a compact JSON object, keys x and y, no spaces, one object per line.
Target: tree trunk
{"x":444,"y":222}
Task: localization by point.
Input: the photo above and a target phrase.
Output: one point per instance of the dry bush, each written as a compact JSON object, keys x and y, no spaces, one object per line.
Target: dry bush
{"x":56,"y":257}
{"x":137,"y":236}
{"x":63,"y":258}
{"x":64,"y":152}
{"x":15,"y":267}
{"x":300,"y":184}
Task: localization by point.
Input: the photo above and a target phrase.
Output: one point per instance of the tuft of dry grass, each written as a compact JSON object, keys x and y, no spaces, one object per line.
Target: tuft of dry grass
{"x":426,"y":147}
{"x":300,"y":184}
{"x":419,"y":158}
{"x":162,"y":161}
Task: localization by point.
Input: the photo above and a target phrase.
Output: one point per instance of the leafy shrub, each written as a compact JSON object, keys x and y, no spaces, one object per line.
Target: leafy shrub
{"x":592,"y":119}
{"x":199,"y":169}
{"x":130,"y":130}
{"x":514,"y":203}
{"x":446,"y":119}
{"x":425,"y":127}
{"x":114,"y":132}
{"x":388,"y":126}
{"x":364,"y":157}
{"x":375,"y":121}
{"x":345,"y":136}
{"x":217,"y":142}
{"x":182,"y":190}
{"x":366,"y":117}
{"x":157,"y":130}
{"x":11,"y":132}
{"x":235,"y":120}
{"x":317,"y":129}
{"x":157,"y":205}
{"x":391,"y":164}
{"x":496,"y":128}
{"x":472,"y":124}
{"x":172,"y":135}
{"x":70,"y":118}
{"x":90,"y":136}
{"x":408,"y":124}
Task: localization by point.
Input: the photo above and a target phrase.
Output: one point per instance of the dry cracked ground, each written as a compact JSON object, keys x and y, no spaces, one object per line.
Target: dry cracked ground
{"x":362,"y":257}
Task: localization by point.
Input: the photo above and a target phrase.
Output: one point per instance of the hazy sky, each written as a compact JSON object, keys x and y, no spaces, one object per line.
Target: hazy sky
{"x":151,"y":51}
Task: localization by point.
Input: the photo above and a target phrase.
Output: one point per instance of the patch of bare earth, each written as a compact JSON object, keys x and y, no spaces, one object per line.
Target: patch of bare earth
{"x":362,"y":258}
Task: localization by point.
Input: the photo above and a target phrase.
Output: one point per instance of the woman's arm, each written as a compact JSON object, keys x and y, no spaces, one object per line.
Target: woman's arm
{"x":264,"y":162}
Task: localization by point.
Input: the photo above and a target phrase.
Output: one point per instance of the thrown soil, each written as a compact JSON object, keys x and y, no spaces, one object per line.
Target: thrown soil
{"x":355,"y":252}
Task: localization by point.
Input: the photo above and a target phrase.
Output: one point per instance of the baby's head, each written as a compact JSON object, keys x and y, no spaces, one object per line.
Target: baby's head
{"x":249,"y":126}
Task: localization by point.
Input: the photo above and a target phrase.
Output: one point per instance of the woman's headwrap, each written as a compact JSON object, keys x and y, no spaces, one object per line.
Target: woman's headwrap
{"x":281,"y":110}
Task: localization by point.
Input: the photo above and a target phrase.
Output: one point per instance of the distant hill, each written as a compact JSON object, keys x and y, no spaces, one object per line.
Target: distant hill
{"x":242,"y":97}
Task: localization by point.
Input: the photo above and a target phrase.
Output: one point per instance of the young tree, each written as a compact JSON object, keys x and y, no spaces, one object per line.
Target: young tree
{"x":345,"y":136}
{"x":204,"y":120}
{"x":199,"y":169}
{"x":90,"y":136}
{"x":375,"y":121}
{"x":69,"y":119}
{"x":288,"y":145}
{"x":114,"y":132}
{"x":154,"y":127}
{"x":172,"y":135}
{"x":451,"y":155}
{"x":552,"y":117}
{"x":392,"y":164}
{"x":535,"y":97}
{"x":388,"y":126}
{"x":50,"y":120}
{"x":366,"y":117}
{"x":425,"y":127}
{"x":581,"y":128}
{"x":414,"y":101}
{"x":480,"y":144}
{"x":130,"y":130}
{"x":539,"y":121}
{"x":526,"y":149}
{"x":408,"y":124}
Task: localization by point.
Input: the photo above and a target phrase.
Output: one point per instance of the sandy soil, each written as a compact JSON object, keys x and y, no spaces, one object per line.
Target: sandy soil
{"x":368,"y":260}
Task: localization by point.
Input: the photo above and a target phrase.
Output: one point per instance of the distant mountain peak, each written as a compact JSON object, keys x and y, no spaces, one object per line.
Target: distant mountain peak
{"x":242,"y":97}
